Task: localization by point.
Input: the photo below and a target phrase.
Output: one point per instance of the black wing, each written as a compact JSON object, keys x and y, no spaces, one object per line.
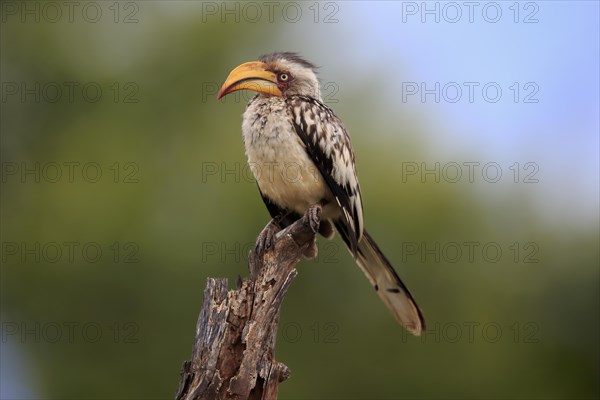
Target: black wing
{"x":328,"y":145}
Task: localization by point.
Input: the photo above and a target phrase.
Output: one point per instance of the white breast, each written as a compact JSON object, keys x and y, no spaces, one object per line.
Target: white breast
{"x":284,"y":171}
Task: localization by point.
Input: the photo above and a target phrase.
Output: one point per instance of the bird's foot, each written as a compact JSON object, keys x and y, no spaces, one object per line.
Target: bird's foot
{"x":266,"y":238}
{"x":326,"y":229}
{"x":312,"y":218}
{"x":312,"y":250}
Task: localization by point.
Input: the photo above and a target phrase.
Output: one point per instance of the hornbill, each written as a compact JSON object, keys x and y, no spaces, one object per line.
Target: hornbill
{"x":301,"y":155}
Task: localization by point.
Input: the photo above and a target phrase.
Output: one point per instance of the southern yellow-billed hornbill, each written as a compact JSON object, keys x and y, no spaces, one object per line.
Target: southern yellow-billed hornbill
{"x":301,"y":155}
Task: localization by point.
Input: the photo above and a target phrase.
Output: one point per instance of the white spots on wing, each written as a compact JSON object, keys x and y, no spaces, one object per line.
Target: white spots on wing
{"x":329,"y":134}
{"x":310,"y":122}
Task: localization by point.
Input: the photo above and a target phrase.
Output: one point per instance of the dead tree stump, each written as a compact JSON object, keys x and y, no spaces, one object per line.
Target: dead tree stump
{"x":233,"y":352}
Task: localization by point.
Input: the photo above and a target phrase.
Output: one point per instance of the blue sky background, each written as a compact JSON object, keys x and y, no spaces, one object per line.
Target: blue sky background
{"x":559,"y":53}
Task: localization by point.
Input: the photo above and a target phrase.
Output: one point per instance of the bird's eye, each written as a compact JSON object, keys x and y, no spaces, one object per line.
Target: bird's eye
{"x":283,"y":77}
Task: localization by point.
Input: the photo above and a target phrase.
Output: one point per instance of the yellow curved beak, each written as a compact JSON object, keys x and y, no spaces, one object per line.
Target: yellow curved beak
{"x":251,"y":76}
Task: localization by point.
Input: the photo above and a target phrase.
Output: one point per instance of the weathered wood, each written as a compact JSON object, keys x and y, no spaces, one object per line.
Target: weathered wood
{"x":234,"y":348}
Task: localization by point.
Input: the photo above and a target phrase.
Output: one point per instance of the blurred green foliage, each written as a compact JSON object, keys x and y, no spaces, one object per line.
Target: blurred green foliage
{"x":336,"y":337}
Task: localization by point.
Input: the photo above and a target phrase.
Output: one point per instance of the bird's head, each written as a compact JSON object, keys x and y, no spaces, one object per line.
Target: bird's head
{"x":277,"y":74}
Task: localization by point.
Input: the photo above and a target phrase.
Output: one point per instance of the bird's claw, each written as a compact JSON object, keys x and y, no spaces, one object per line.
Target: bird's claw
{"x":266,"y":238}
{"x":312,"y":217}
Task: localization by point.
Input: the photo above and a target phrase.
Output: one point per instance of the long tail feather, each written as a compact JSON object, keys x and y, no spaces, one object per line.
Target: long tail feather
{"x":387,"y":283}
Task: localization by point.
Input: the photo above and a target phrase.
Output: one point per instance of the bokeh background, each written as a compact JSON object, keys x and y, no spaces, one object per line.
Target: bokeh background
{"x":124,"y":187}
